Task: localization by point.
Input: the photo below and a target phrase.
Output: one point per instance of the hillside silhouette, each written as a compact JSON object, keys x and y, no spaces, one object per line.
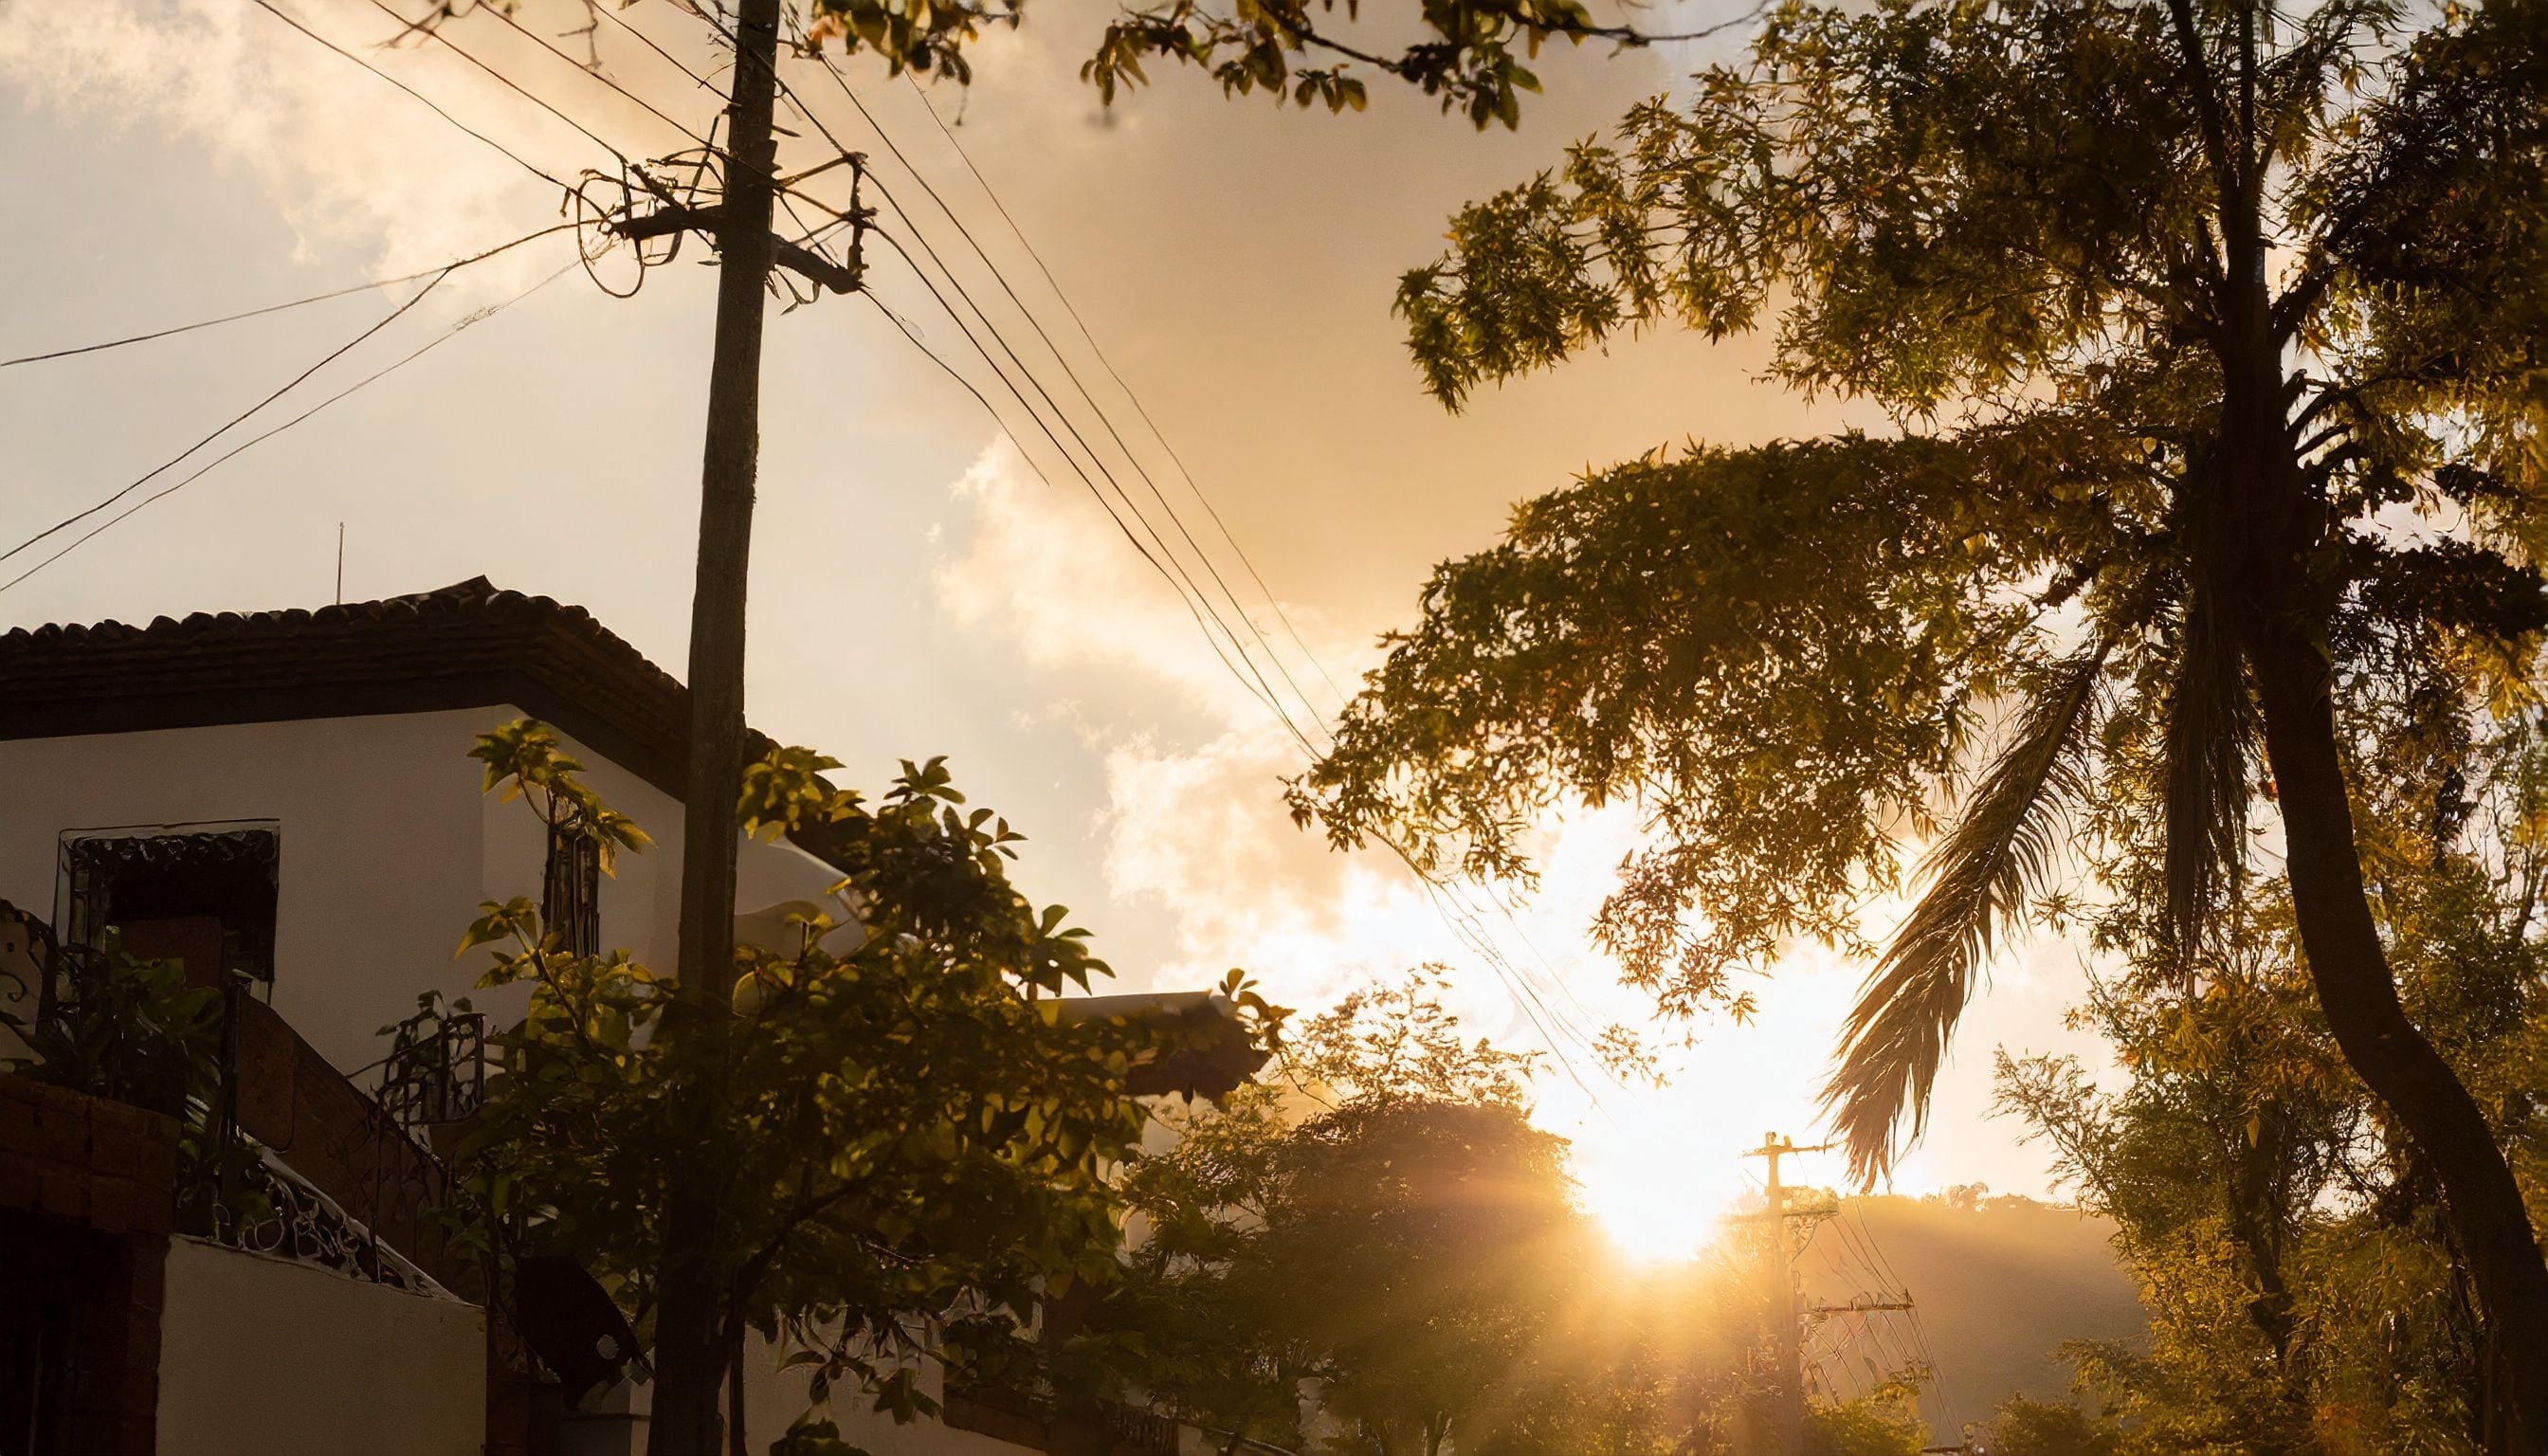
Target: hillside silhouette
{"x":1999,"y":1283}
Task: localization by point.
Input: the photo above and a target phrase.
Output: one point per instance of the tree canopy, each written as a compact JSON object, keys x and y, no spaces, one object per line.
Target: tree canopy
{"x":922,"y":1148}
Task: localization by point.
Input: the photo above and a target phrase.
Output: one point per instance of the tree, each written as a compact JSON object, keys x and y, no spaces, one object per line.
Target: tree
{"x":1388,"y":1224}
{"x":2304,"y":1295}
{"x":2023,"y":1427}
{"x":921,"y":1148}
{"x":2180,"y":312}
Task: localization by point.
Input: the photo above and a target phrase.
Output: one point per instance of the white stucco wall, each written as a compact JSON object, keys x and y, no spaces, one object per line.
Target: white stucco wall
{"x":262,"y":1357}
{"x":388,"y":847}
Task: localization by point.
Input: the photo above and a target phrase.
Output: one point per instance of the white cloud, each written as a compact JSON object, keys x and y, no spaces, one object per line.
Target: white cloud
{"x":345,"y":158}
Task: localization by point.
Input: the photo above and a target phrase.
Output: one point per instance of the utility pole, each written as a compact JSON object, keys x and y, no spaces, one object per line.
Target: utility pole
{"x":690,"y":1350}
{"x":1786,"y":1311}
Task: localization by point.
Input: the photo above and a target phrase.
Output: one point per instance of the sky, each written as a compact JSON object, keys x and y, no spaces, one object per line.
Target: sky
{"x":917,"y":587}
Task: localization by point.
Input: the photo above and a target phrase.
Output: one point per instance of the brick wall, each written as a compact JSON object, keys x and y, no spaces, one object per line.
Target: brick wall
{"x":331,"y":1132}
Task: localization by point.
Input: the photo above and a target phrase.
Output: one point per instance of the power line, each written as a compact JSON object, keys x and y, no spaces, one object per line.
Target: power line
{"x":1067,"y":458}
{"x":1138,"y":408}
{"x":1165,"y":555}
{"x":1265,"y":689}
{"x":544,"y":44}
{"x":244,"y":446}
{"x":515,"y":158}
{"x":155,"y":472}
{"x":1168,"y":557}
{"x":315,"y":297}
{"x":1461,"y":924}
{"x":1063,"y":360}
{"x":1458,"y":918}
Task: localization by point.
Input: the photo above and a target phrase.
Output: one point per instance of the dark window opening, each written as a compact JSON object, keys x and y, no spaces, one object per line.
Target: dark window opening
{"x":205,"y":898}
{"x":571,"y":891}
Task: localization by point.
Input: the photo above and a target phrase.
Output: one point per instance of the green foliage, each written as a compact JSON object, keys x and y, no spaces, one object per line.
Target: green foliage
{"x":2023,"y":1427}
{"x":526,"y":762}
{"x":1875,"y":1426}
{"x":920,"y":1148}
{"x":2304,"y":1294}
{"x":133,"y":1030}
{"x":1398,"y":1041}
{"x":130,"y":1031}
{"x":2142,"y":451}
{"x":1391,"y":1225}
{"x":1468,"y":53}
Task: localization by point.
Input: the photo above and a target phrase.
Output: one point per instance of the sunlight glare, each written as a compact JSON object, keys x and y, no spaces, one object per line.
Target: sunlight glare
{"x":1657,"y":1190}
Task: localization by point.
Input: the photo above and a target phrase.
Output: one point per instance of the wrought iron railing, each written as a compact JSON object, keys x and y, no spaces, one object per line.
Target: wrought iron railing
{"x":282,"y":1215}
{"x":436,"y":1069}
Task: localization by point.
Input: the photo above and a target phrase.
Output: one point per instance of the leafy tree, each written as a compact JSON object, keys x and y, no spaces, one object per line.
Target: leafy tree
{"x":1388,"y":1224}
{"x":1875,"y":1426}
{"x":124,"y":1029}
{"x":2210,"y":333}
{"x":1385,"y":1230}
{"x":2304,"y":1295}
{"x":920,"y":1147}
{"x":135,"y":1031}
{"x":2025,"y":1428}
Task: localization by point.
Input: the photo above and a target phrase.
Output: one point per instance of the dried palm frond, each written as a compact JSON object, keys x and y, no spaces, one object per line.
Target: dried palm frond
{"x":1981,"y":878}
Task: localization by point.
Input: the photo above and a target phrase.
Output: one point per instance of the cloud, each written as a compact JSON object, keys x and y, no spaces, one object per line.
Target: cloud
{"x":1043,"y":567}
{"x":345,"y":158}
{"x":1194,"y":822}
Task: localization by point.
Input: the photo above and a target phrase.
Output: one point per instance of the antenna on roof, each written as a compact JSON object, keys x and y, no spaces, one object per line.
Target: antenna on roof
{"x":340,"y":562}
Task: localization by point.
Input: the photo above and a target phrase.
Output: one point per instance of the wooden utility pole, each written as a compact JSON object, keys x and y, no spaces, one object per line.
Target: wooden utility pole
{"x":693,"y":1347}
{"x":1787,"y":1322}
{"x":690,"y":1349}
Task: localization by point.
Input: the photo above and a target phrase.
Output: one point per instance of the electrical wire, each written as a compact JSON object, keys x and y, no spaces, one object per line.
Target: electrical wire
{"x":1135,"y":400}
{"x":546,"y":45}
{"x":233,"y":422}
{"x":315,"y":297}
{"x":516,"y":158}
{"x":1526,"y":998}
{"x":1072,"y":375}
{"x":919,"y":236}
{"x":1121,"y":524}
{"x":452,"y":332}
{"x":435,"y":33}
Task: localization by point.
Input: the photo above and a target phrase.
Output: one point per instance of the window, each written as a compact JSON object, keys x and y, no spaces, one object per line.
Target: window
{"x":204,"y":896}
{"x":571,"y":891}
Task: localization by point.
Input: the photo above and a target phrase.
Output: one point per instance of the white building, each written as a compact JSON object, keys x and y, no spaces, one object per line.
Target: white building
{"x":289,"y":794}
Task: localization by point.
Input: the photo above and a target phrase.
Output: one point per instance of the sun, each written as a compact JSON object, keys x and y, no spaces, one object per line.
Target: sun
{"x":1656,"y":1180}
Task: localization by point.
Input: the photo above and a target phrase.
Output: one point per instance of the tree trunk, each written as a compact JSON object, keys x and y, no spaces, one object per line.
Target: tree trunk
{"x":690,"y":1351}
{"x":2350,"y":972}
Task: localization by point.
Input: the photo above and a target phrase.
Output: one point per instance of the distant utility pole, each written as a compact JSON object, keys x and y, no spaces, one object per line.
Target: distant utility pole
{"x":1789,"y":1308}
{"x":1786,"y":1303}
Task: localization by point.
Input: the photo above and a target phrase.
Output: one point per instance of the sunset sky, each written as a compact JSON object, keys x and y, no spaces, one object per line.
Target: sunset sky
{"x":916,"y":588}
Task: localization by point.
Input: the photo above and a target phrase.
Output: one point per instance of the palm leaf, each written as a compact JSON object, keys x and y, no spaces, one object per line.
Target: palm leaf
{"x":2210,"y":726}
{"x":1981,"y":878}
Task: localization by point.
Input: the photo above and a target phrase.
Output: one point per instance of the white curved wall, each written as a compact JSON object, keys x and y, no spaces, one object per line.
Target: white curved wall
{"x":262,"y":1358}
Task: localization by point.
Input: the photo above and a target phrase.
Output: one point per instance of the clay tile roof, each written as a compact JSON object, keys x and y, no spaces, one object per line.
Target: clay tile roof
{"x":472,"y":644}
